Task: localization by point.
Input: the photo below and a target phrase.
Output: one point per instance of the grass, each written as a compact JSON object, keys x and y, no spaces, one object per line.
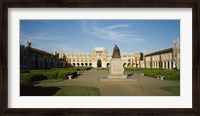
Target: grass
{"x":167,"y":73}
{"x":59,"y":91}
{"x":29,"y":77}
{"x":175,"y":90}
{"x":50,"y":80}
{"x":77,"y":91}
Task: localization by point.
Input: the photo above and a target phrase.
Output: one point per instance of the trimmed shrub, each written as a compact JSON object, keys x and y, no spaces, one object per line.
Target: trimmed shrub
{"x":167,"y":73}
{"x":62,"y":75}
{"x":50,"y":75}
{"x":37,"y":76}
{"x":25,"y":79}
{"x":24,"y":71}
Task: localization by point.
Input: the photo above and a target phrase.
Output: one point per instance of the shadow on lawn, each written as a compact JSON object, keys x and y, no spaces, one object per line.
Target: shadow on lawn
{"x":38,"y":91}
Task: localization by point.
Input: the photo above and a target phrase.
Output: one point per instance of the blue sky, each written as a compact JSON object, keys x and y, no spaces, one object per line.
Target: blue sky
{"x":84,"y":35}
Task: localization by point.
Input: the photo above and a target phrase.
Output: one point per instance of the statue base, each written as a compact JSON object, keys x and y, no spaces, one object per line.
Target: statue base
{"x":116,"y":68}
{"x":117,"y":76}
{"x":105,"y":78}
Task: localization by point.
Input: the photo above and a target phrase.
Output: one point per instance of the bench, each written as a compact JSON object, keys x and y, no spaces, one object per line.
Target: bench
{"x":160,"y":77}
{"x":70,"y":77}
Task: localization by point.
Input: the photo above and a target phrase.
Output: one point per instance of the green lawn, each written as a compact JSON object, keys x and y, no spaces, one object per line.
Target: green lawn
{"x":167,"y":73}
{"x":59,"y":91}
{"x":50,"y":80}
{"x":29,"y":77}
{"x":77,"y":91}
{"x":175,"y":90}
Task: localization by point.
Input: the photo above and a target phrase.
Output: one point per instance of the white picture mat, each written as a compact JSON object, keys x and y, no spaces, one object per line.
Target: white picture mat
{"x":182,"y":101}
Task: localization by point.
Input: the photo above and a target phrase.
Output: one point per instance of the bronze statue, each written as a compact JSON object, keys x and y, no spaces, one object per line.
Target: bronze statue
{"x":116,"y":52}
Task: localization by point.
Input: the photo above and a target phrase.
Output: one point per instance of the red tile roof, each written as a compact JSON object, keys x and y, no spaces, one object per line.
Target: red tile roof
{"x":160,"y":52}
{"x":40,"y":51}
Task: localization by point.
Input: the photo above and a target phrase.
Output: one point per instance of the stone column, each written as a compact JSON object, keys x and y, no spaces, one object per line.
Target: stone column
{"x":166,"y":64}
{"x":163,"y":66}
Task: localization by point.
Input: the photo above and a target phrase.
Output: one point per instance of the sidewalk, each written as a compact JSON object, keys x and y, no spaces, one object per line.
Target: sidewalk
{"x":145,"y":86}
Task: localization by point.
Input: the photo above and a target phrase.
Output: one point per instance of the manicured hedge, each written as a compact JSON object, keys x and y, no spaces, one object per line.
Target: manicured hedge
{"x":25,"y":79}
{"x":62,"y":75}
{"x":50,"y":74}
{"x":37,"y":76}
{"x":29,"y":76}
{"x":169,"y":74}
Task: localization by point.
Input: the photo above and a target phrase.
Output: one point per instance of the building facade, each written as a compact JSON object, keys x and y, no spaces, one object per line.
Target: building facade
{"x":31,"y":58}
{"x":99,"y":57}
{"x":166,"y":59}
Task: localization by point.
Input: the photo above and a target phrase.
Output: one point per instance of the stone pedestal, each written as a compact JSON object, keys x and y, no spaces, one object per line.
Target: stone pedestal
{"x":116,"y":69}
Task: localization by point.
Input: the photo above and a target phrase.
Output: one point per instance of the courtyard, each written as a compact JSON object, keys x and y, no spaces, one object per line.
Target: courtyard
{"x":144,"y":86}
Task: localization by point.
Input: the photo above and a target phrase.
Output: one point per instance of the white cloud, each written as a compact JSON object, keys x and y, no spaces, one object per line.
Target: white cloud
{"x":116,"y":26}
{"x":118,"y":33}
{"x":41,"y":37}
{"x":65,"y":48}
{"x":47,"y":42}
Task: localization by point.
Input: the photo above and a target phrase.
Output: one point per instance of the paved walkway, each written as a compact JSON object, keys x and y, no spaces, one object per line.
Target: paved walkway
{"x":145,"y":86}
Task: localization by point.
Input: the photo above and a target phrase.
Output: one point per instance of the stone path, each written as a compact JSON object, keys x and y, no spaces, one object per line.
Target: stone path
{"x":145,"y":86}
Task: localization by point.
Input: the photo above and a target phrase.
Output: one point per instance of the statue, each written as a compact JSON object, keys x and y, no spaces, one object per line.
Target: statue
{"x":116,"y":52}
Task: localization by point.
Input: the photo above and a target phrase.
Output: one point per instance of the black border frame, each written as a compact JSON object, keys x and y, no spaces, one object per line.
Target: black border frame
{"x":194,"y":4}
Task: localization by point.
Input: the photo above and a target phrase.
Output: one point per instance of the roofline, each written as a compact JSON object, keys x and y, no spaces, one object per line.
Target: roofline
{"x":160,"y":52}
{"x":40,"y":51}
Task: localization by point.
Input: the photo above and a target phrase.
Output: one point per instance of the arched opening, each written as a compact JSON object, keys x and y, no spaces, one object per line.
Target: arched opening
{"x":99,"y":63}
{"x":124,"y":65}
{"x":86,"y":64}
{"x":168,"y":65}
{"x":108,"y":64}
{"x":133,"y":64}
{"x":90,"y":64}
{"x":137,"y":65}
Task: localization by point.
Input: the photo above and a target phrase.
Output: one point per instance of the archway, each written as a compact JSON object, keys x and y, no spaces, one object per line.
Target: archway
{"x":108,"y":64}
{"x":124,"y":65}
{"x":99,"y":63}
{"x":90,"y":64}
